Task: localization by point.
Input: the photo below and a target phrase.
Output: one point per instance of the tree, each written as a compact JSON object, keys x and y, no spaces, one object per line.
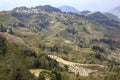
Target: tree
{"x":3,"y":45}
{"x":57,"y":74}
{"x":2,"y":28}
{"x":98,"y":48}
{"x":10,"y":31}
{"x":55,"y":48}
{"x":45,"y":75}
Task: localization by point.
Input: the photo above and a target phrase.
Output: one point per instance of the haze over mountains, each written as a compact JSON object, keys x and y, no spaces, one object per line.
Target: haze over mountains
{"x":73,"y":10}
{"x":113,"y":14}
{"x":115,"y":11}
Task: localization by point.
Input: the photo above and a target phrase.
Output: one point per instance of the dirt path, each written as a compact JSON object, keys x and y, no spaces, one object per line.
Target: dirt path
{"x":60,"y":60}
{"x":36,"y":72}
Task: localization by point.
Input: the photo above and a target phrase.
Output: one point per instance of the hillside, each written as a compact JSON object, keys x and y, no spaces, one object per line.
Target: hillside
{"x":29,"y":35}
{"x":77,"y":31}
{"x":112,"y":16}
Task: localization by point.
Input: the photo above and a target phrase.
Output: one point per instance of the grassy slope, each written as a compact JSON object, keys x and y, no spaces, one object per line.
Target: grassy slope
{"x":56,"y":33}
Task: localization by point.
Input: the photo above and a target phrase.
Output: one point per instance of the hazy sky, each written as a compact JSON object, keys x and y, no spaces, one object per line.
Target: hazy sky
{"x":93,"y":5}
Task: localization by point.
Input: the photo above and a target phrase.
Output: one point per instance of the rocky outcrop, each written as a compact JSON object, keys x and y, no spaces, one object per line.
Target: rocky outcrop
{"x":77,"y":68}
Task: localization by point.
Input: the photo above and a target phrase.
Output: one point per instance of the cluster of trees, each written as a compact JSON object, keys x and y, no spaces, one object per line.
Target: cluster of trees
{"x":55,"y":48}
{"x":5,"y":29}
{"x":98,"y":48}
{"x":43,"y":20}
{"x":3,"y":45}
{"x":92,"y":43}
{"x":22,"y":17}
{"x":49,"y":8}
{"x":84,"y":43}
{"x":113,"y":44}
{"x":112,"y":75}
{"x":44,"y":62}
{"x":51,"y":75}
{"x":2,"y":28}
{"x":13,"y":63}
{"x":72,"y":30}
{"x":18,"y":24}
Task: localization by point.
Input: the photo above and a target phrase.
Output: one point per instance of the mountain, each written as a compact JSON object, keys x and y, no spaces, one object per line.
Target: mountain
{"x":36,"y":9}
{"x":115,"y":11}
{"x":73,"y":10}
{"x":112,"y":16}
{"x":55,"y":26}
{"x":61,"y":46}
{"x":85,"y":12}
{"x":102,"y":19}
{"x":48,"y":8}
{"x":21,"y":8}
{"x":69,"y":9}
{"x":96,"y":15}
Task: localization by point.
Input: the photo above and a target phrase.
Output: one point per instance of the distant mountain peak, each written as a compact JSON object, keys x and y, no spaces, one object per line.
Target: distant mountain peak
{"x":68,"y":9}
{"x":49,"y":8}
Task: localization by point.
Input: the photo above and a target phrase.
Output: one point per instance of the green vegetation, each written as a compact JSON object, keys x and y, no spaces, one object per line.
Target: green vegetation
{"x":27,"y":39}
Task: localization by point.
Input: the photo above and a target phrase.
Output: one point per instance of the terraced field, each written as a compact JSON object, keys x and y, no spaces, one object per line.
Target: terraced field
{"x":77,"y":68}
